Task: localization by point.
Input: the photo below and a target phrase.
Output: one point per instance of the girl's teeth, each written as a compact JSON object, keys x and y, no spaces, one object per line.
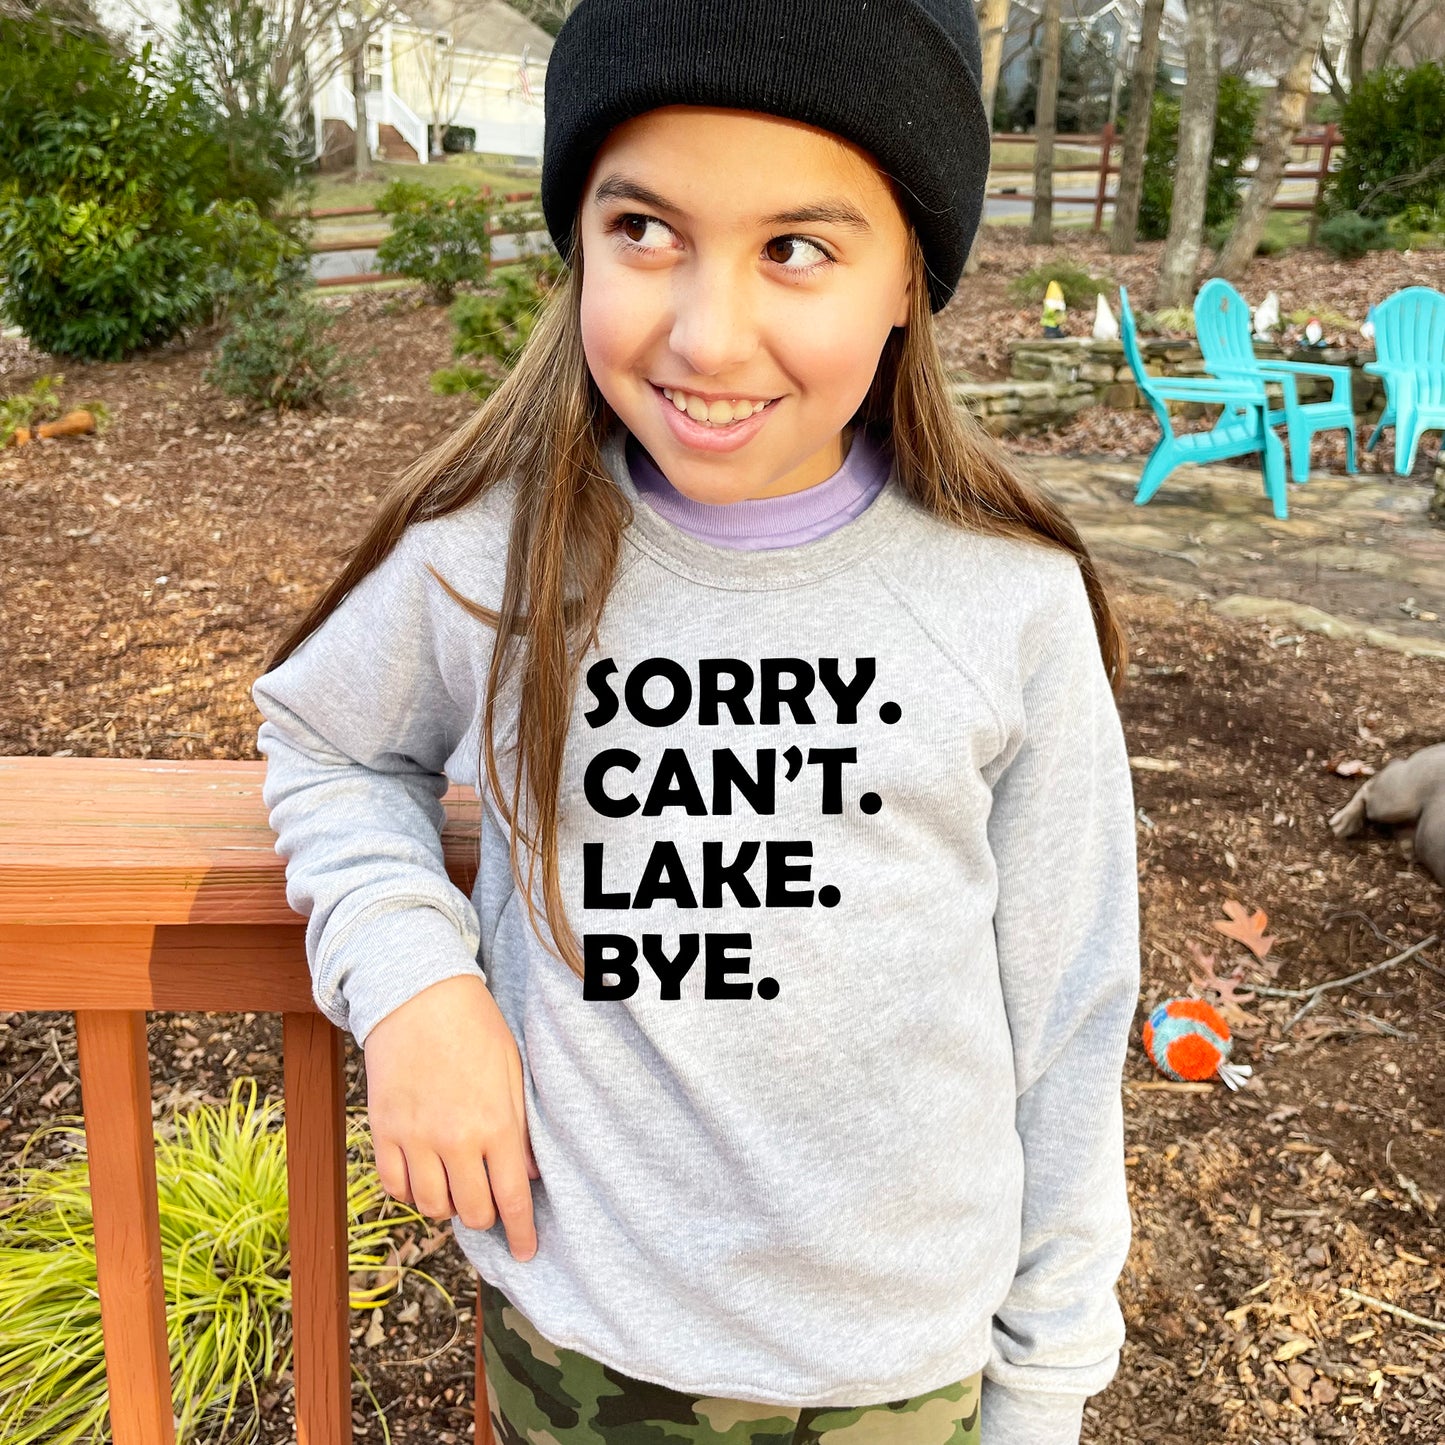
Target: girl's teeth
{"x":718,"y":413}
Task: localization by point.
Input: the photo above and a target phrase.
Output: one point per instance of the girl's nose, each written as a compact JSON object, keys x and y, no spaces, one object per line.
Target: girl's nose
{"x":712,"y":329}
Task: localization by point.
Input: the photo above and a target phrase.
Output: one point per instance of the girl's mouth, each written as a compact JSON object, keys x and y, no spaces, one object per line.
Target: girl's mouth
{"x":712,"y":436}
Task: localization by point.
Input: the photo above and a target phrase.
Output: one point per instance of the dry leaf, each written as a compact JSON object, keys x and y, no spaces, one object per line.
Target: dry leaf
{"x":1246,"y":928}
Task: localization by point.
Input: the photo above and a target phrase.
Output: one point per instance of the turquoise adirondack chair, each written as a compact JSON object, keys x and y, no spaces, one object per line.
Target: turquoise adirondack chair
{"x":1243,"y":426}
{"x":1222,"y":324}
{"x":1410,"y":355}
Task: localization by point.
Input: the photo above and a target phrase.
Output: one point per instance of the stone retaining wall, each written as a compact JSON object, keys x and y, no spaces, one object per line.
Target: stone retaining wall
{"x":1051,"y":380}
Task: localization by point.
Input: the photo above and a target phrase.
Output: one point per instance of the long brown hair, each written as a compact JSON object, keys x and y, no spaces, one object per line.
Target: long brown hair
{"x":545,"y":426}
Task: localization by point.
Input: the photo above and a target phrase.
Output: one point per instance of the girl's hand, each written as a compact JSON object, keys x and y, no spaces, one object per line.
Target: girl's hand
{"x":444,"y":1094}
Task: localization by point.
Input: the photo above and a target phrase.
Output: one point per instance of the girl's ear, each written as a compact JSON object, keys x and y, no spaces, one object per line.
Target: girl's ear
{"x":905,"y":306}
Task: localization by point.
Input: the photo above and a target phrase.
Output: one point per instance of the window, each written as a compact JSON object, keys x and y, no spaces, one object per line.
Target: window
{"x":373,"y":65}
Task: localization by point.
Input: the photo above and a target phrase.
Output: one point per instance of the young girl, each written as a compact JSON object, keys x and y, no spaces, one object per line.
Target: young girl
{"x":777,"y":1096}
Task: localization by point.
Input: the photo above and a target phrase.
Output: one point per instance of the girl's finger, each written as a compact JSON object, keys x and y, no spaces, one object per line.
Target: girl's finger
{"x":430,"y":1194}
{"x":391,"y":1170}
{"x":471,"y":1192}
{"x":519,"y":1108}
{"x":507,"y":1169}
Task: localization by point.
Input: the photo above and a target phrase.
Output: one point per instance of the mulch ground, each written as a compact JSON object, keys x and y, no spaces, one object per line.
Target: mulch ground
{"x":149,"y":569}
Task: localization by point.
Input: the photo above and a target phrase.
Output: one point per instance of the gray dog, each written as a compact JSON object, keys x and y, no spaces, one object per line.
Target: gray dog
{"x":1405,"y":791}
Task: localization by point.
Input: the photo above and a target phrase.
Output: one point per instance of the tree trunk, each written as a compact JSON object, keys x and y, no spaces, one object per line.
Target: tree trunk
{"x":362,"y":152}
{"x":1286,"y":115}
{"x":1046,"y":109}
{"x":992,"y":23}
{"x":1195,"y":160}
{"x":1136,"y":133}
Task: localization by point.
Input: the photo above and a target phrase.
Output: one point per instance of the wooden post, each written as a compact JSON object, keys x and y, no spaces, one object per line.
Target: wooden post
{"x":1106,"y":145}
{"x":316,"y":1184}
{"x":115,"y":1089}
{"x":1327,"y":146}
{"x":482,"y":1430}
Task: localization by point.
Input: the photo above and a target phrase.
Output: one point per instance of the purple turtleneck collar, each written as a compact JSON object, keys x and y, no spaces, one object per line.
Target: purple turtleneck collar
{"x":766,"y":522}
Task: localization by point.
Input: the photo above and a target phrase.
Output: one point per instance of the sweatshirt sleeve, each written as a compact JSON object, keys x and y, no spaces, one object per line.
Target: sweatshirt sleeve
{"x":1067,"y":930}
{"x":359,"y":722}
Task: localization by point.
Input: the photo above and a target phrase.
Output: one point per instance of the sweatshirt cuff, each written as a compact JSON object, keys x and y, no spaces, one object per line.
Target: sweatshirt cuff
{"x":1029,"y":1417}
{"x":386,"y":960}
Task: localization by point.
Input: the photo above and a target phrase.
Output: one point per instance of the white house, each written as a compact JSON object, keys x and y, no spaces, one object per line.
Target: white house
{"x":477,"y":65}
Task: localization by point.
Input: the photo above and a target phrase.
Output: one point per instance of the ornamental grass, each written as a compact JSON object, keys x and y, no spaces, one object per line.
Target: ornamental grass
{"x":221,"y":1184}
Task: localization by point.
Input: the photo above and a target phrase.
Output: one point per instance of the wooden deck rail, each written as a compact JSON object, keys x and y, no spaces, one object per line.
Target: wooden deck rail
{"x":129,"y":885}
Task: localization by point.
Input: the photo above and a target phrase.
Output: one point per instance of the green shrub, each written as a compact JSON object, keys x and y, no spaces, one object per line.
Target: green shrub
{"x":225,"y":1262}
{"x":101,"y":251}
{"x":251,"y":257}
{"x":1418,"y":219}
{"x":107,"y":169}
{"x":1393,"y":126}
{"x":275,"y":355}
{"x":1233,"y":140}
{"x":1349,"y":235}
{"x":494,"y":328}
{"x":440,"y":238}
{"x":1078,"y":284}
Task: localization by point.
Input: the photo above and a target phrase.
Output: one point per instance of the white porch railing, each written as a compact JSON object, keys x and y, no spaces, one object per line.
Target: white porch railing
{"x":387,"y":108}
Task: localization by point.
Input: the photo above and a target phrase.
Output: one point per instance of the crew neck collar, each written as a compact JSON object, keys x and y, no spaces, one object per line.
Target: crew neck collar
{"x":765,"y":569}
{"x":789,"y":518}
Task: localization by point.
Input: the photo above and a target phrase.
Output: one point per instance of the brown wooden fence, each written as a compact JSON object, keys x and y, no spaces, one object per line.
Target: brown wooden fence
{"x":129,"y":885}
{"x":1326,"y":140}
{"x":370,"y":243}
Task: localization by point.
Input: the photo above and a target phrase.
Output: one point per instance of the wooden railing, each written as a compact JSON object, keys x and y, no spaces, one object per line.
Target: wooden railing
{"x":129,"y":885}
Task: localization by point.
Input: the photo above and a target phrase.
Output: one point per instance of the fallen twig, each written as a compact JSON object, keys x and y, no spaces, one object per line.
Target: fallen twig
{"x":1318,"y":988}
{"x":1390,"y":1309}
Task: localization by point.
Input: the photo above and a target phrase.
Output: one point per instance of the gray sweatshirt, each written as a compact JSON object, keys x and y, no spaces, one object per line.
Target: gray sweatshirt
{"x":847,"y":830}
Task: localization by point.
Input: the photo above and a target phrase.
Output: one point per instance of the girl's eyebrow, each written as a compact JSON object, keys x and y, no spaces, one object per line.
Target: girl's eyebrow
{"x":834,"y":212}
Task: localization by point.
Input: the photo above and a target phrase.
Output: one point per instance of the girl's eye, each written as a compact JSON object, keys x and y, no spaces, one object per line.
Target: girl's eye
{"x":626,"y":225}
{"x":792,"y":243}
{"x":631,"y":228}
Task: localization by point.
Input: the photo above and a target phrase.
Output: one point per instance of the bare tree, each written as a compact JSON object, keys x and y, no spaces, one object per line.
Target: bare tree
{"x":549,"y":14}
{"x":293,"y":40}
{"x":1285,"y":115}
{"x":992,"y":23}
{"x":359,"y":24}
{"x":1195,"y":158}
{"x":1136,"y":132}
{"x":1046,"y":107}
{"x":435,"y":53}
{"x":1380,"y":31}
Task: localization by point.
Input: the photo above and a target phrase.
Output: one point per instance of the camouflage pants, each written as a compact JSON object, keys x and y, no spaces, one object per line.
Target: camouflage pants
{"x":542,"y":1394}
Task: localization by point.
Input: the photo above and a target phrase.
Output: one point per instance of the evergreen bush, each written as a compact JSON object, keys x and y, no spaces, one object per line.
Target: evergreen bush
{"x":1349,"y":235}
{"x":275,"y":355}
{"x":1233,"y":141}
{"x":440,"y":238}
{"x":1393,"y":126}
{"x":494,"y":327}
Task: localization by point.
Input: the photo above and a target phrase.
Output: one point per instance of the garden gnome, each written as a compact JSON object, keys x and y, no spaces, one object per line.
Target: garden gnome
{"x":1367,"y":330}
{"x":1266,"y":318}
{"x":1106,"y":328}
{"x":1314,"y":332}
{"x":1054,"y":309}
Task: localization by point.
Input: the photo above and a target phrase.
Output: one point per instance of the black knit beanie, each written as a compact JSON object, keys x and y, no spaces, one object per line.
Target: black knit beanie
{"x":898,"y":77}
